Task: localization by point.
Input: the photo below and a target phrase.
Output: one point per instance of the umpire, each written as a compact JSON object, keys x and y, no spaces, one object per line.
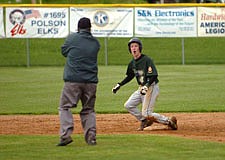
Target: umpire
{"x":81,"y":78}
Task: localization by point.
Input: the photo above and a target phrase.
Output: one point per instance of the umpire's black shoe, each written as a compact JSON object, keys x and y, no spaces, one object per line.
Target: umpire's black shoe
{"x":65,"y":141}
{"x":91,"y":140}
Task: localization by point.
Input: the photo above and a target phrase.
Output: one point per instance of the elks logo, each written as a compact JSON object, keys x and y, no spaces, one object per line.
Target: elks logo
{"x":17,"y":17}
{"x":101,"y":19}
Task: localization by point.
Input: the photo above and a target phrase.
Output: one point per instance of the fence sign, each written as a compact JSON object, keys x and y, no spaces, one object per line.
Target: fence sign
{"x":106,"y":22}
{"x":211,"y":22}
{"x":37,"y":22}
{"x":2,"y":33}
{"x":165,"y":22}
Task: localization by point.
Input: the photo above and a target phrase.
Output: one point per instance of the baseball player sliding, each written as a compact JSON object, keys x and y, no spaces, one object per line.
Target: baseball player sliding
{"x":143,"y":68}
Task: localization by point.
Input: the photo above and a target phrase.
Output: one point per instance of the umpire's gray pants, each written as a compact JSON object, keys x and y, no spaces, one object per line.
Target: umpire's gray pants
{"x":71,"y":94}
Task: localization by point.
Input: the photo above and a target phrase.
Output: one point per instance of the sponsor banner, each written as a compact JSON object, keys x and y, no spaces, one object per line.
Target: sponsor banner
{"x":37,"y":22}
{"x":211,"y":22}
{"x":106,"y":22}
{"x":165,"y":22}
{"x":2,"y":33}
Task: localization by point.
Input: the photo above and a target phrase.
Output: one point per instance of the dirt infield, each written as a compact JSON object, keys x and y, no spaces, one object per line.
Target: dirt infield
{"x":203,"y":126}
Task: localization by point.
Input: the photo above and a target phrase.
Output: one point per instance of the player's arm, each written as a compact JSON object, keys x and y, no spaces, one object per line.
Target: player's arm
{"x":123,"y":82}
{"x":150,"y":80}
{"x":151,"y":76}
{"x":129,"y":76}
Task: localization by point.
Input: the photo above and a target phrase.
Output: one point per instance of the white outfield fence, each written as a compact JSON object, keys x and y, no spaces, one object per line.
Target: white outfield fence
{"x":115,"y":20}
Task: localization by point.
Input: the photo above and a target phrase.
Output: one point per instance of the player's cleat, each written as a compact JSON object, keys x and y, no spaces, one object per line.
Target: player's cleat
{"x":64,"y":142}
{"x":144,"y":123}
{"x":173,"y":123}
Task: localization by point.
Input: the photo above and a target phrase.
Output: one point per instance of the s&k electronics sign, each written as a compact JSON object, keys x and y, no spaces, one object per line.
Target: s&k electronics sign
{"x":165,"y":22}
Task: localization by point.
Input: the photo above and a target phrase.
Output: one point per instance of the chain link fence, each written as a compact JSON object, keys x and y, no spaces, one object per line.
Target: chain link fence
{"x":114,"y":51}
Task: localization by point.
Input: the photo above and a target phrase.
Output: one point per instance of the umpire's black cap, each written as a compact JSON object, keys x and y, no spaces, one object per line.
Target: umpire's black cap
{"x":84,"y":23}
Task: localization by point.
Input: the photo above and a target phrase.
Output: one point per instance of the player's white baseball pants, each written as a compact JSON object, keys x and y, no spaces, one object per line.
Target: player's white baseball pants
{"x":148,"y":103}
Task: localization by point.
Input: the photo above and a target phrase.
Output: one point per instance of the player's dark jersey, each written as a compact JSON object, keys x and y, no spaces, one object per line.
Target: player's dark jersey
{"x":143,"y":69}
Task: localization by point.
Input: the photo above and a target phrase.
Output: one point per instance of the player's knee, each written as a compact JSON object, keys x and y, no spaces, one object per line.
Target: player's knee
{"x":126,"y":105}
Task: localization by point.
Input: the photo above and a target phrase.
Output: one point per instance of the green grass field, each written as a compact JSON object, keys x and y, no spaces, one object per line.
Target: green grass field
{"x":110,"y":147}
{"x":183,"y":88}
{"x":36,"y":90}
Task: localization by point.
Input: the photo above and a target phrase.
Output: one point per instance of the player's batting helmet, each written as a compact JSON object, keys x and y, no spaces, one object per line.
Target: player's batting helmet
{"x":135,"y":40}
